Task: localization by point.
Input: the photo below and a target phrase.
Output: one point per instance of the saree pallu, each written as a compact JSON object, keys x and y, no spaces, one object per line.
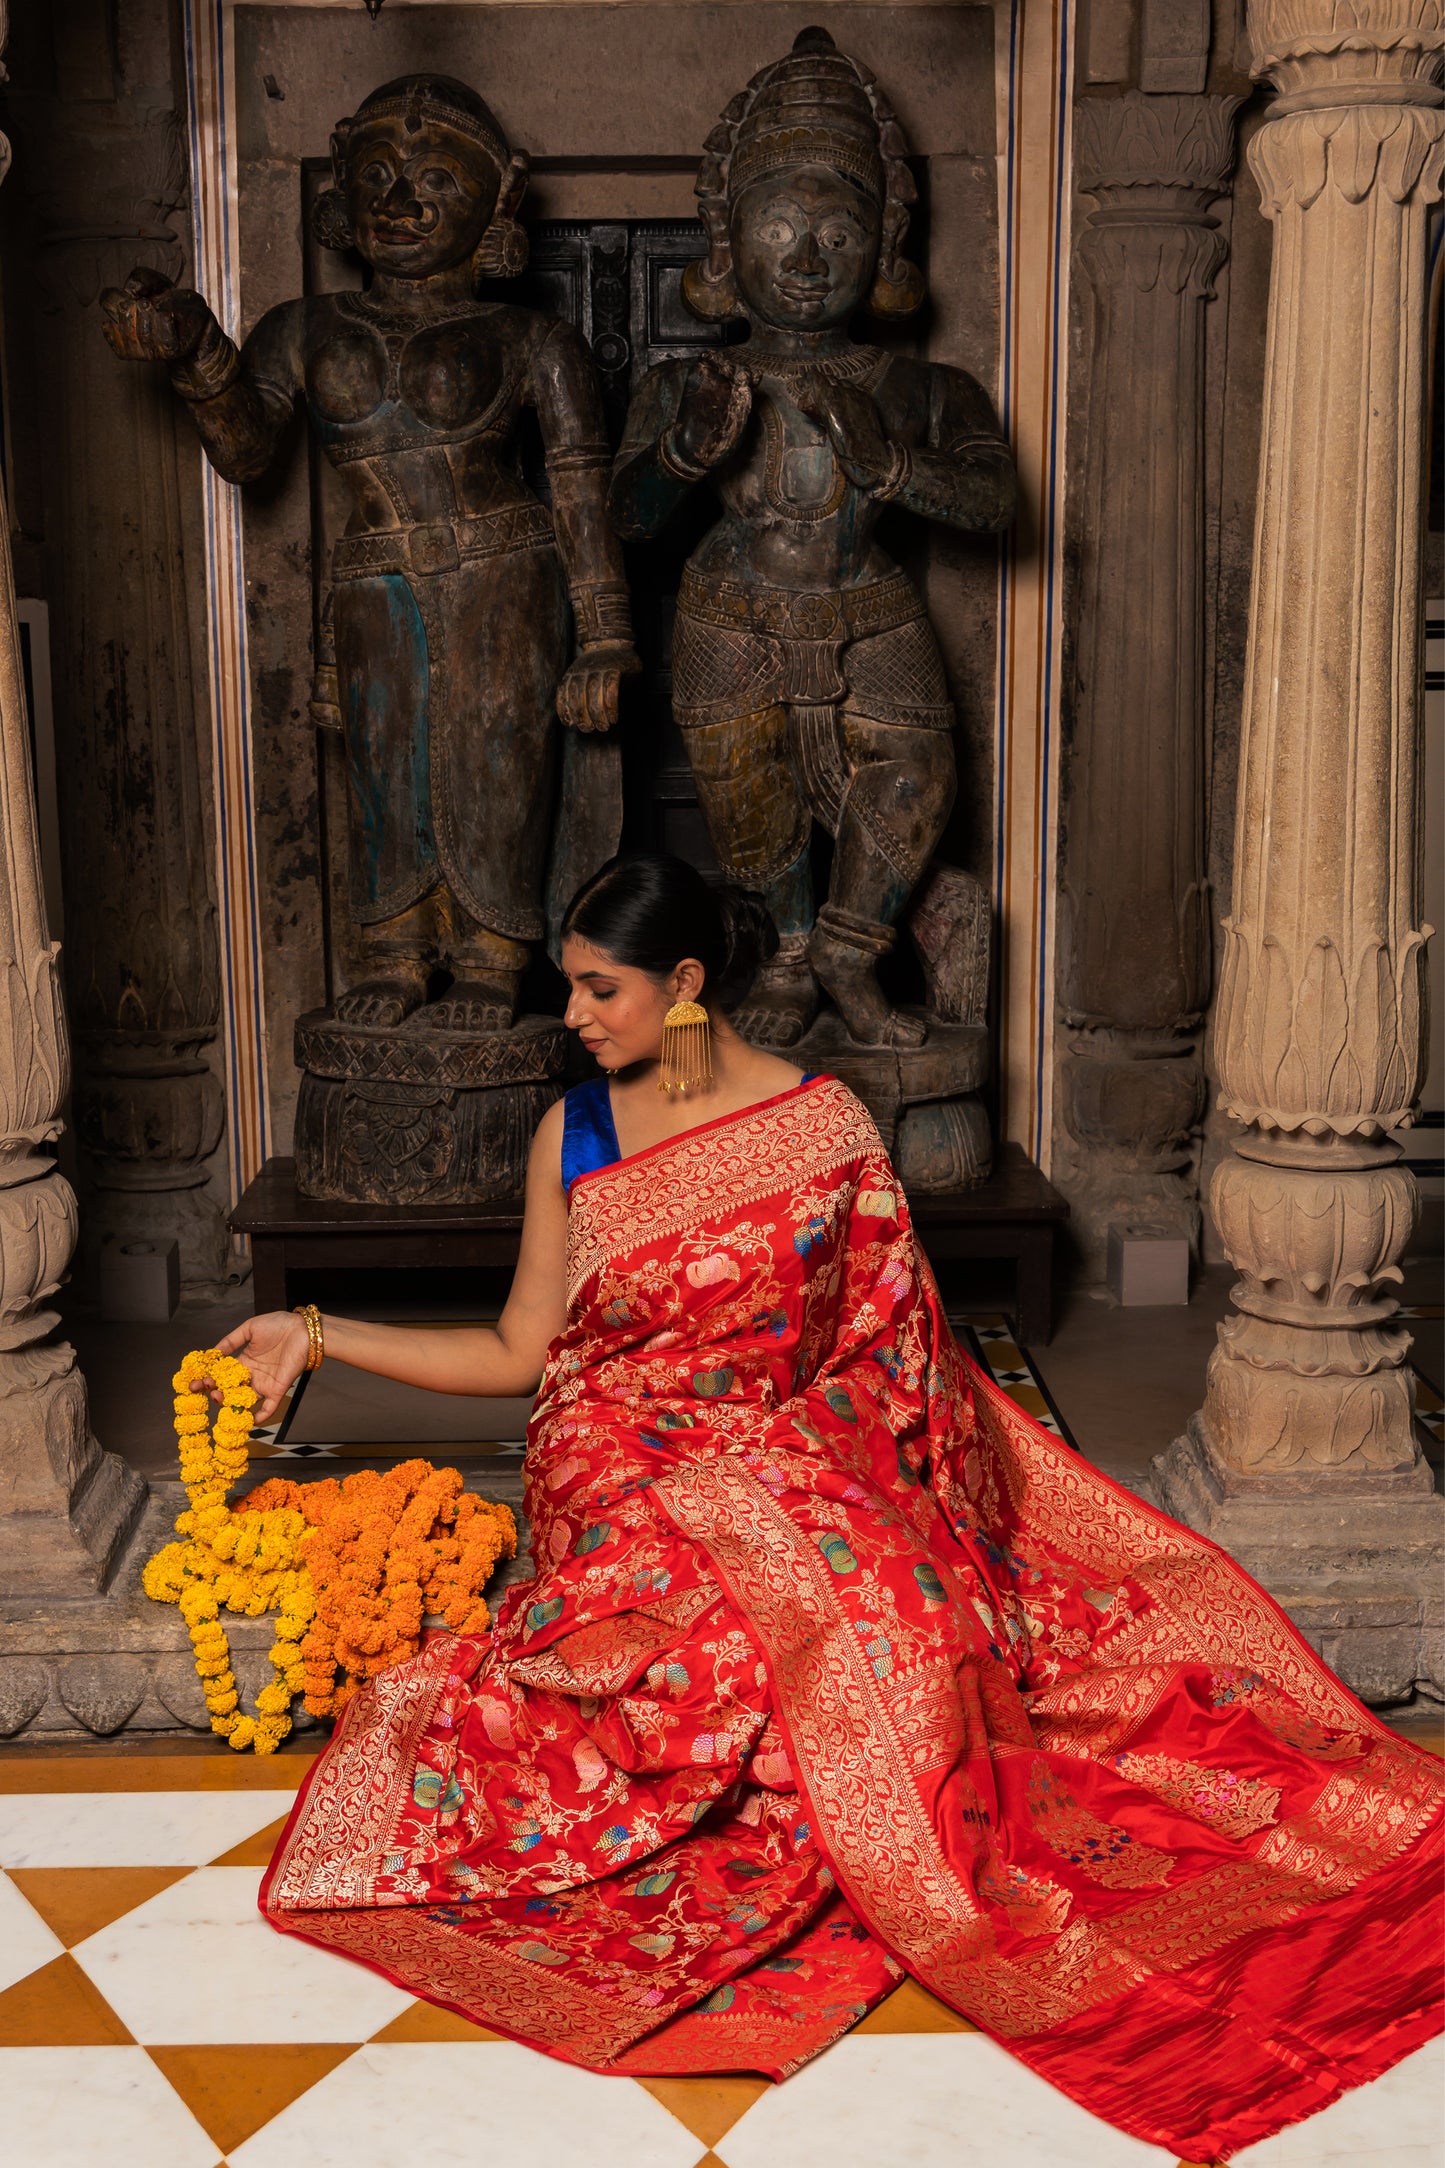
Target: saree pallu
{"x":834,"y":1666}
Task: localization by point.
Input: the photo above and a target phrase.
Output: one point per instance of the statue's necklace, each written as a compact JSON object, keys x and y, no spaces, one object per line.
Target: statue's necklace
{"x":403,"y":322}
{"x":793,"y":370}
{"x":854,"y":366}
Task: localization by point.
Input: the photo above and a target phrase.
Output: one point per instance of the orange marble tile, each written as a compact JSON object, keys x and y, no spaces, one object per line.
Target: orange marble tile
{"x":911,"y":2009}
{"x":209,"y":1767}
{"x":708,"y":2106}
{"x":233,"y":2091}
{"x":253,"y":1851}
{"x":78,"y":1901}
{"x":58,"y":2007}
{"x":425,"y":2022}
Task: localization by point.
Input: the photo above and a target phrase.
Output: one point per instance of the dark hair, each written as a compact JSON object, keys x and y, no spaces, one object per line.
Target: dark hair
{"x":650,"y":910}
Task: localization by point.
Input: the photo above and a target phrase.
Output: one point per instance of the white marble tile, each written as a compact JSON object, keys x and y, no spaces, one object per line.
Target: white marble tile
{"x":1398,"y":2122}
{"x":25,"y":1941}
{"x":454,"y":2106}
{"x":925,"y":2100}
{"x":197,"y":1964}
{"x":130,"y":1829}
{"x":80,"y":2107}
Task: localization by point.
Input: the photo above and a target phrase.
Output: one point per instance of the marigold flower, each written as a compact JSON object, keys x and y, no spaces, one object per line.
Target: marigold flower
{"x":349,"y":1566}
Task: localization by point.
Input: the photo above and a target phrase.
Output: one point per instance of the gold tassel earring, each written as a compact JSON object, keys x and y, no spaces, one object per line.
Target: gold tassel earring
{"x":686,"y":1048}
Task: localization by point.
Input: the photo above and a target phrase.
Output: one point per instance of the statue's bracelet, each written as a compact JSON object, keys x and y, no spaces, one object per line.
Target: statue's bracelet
{"x":900,"y":469}
{"x":684,"y":469}
{"x":211,"y":367}
{"x":310,"y":1317}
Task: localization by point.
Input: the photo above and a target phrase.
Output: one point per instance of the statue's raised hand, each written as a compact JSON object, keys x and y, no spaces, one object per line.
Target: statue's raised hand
{"x":854,"y":426}
{"x":587,"y":695}
{"x":711,"y":415}
{"x":149,"y":319}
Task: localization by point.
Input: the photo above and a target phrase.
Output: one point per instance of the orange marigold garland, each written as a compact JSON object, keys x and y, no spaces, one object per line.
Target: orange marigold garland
{"x":353,"y":1568}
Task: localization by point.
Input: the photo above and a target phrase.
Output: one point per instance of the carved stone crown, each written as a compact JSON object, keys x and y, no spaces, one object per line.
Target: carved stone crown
{"x":816,"y":106}
{"x":417,"y":99}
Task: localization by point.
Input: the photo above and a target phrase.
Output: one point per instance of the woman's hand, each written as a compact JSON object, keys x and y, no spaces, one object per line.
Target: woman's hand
{"x":274,"y":1348}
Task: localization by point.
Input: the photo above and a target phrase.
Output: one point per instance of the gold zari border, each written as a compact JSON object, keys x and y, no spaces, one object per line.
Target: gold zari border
{"x":811,"y":1133}
{"x":875,"y":1829}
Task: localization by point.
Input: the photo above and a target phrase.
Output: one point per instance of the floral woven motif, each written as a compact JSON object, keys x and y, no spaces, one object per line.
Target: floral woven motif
{"x":1235,"y":1805}
{"x":1102,"y":1852}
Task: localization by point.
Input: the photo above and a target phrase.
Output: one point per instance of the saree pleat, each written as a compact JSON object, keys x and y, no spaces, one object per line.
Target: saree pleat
{"x":835,"y":1666}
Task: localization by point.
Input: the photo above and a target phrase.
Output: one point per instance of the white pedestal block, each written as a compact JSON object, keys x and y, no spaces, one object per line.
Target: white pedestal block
{"x":1146,"y":1268}
{"x":140,"y":1282}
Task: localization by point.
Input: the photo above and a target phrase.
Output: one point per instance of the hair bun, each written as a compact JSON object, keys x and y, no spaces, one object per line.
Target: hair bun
{"x":752,"y":939}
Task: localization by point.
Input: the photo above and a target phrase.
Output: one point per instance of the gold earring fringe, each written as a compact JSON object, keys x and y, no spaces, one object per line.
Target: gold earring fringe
{"x":686,"y":1048}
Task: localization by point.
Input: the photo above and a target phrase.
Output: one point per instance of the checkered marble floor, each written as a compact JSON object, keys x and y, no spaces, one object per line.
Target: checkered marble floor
{"x":149,"y":2019}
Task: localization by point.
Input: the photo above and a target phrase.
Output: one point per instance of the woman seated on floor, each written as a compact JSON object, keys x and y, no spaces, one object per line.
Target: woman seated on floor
{"x":834,"y":1665}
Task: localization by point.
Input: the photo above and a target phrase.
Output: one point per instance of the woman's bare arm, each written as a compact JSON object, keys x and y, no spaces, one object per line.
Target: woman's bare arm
{"x":502,"y":1361}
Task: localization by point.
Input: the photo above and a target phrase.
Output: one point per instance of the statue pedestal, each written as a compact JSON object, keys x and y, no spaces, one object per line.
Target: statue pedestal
{"x":401,"y":1114}
{"x":1016,"y":1214}
{"x":924,"y":1098}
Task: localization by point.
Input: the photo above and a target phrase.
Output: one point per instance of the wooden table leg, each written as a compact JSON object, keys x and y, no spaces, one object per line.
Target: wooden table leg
{"x":1035,"y":1287}
{"x":268,"y":1272}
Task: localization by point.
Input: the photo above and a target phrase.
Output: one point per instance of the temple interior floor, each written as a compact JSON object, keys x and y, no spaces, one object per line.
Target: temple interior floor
{"x":150,"y":2019}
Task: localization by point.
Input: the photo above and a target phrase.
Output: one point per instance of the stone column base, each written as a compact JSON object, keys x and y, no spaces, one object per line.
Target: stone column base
{"x":1354,"y":1559}
{"x":69,"y":1508}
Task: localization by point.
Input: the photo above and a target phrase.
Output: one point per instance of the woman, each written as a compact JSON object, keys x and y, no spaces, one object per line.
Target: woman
{"x":834,"y":1665}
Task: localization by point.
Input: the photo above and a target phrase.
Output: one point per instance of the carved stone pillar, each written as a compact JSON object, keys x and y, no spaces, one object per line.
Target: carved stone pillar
{"x":141,"y":952}
{"x":1134,"y":936}
{"x":1303,"y":1459}
{"x":65,"y":1506}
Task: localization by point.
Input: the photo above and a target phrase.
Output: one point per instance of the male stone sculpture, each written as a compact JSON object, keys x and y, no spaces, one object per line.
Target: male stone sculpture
{"x":806,"y":676}
{"x":451,"y":583}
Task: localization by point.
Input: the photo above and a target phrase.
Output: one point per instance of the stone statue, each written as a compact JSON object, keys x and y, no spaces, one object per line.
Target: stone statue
{"x":807,"y":679}
{"x":450,"y":585}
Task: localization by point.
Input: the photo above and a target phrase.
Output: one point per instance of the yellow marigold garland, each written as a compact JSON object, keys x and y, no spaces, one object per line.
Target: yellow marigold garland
{"x":352,"y":1568}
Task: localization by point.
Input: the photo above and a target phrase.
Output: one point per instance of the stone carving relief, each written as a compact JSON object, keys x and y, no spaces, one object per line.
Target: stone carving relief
{"x":137,"y":833}
{"x":806,"y":676}
{"x":1133,"y":948}
{"x":65,"y":1506}
{"x":457,"y":599}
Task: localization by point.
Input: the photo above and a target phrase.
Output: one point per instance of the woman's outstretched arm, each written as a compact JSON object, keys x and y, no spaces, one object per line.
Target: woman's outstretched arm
{"x":502,"y":1360}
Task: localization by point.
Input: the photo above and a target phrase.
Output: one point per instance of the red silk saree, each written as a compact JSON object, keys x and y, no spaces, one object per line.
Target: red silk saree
{"x":835,"y":1667}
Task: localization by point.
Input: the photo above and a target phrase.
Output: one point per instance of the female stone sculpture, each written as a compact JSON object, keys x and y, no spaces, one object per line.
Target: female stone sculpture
{"x":450,"y":602}
{"x":806,"y":677}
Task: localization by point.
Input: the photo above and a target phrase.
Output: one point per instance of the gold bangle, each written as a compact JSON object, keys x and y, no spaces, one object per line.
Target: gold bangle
{"x":310,"y":1317}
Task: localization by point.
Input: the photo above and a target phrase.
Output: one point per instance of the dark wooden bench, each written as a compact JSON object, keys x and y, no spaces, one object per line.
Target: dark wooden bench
{"x":1015,"y":1214}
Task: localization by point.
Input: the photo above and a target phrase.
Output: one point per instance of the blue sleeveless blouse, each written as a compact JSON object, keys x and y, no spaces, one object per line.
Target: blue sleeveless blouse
{"x":589,"y":1134}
